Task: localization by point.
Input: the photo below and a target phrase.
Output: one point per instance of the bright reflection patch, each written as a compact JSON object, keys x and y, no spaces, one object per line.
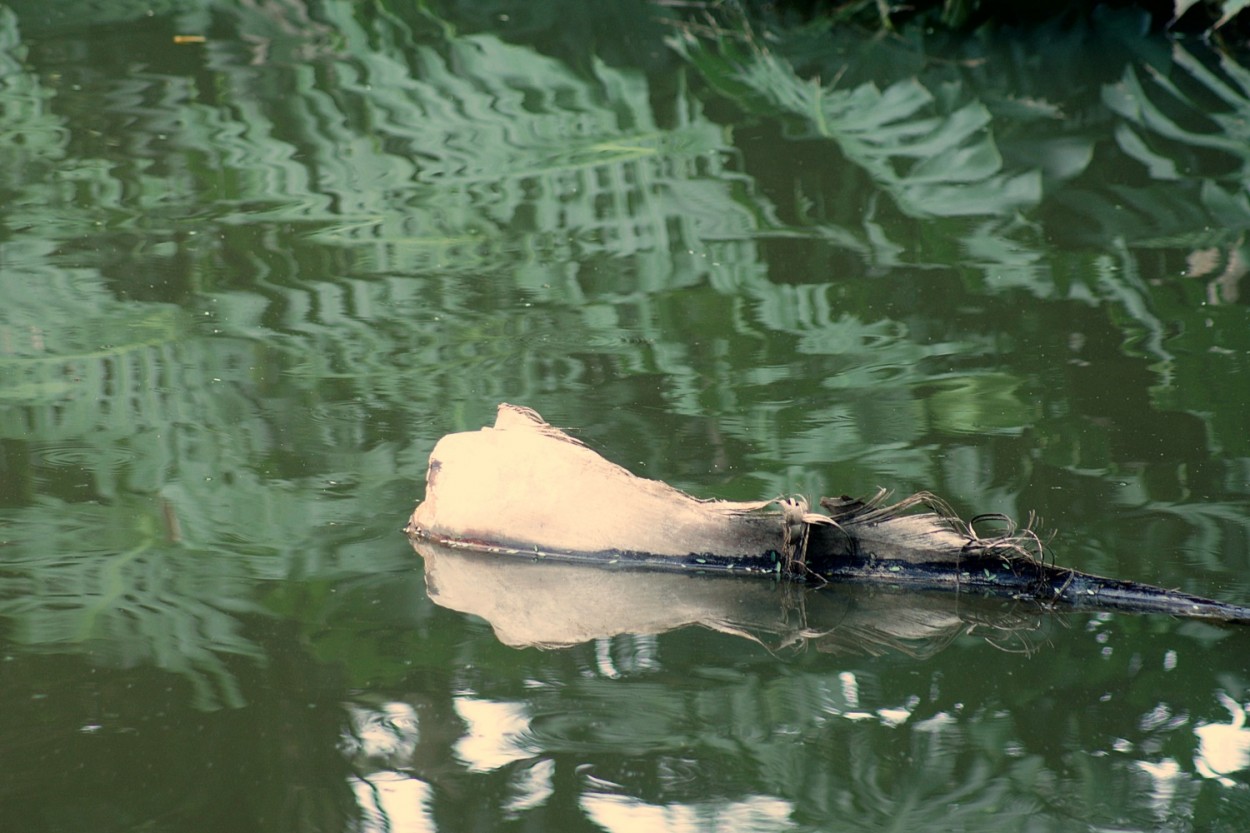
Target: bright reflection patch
{"x":531,"y":788}
{"x":380,"y":743}
{"x":391,"y":802}
{"x":1224,"y":748}
{"x":1164,"y":775}
{"x":622,"y":814}
{"x":495,"y":734}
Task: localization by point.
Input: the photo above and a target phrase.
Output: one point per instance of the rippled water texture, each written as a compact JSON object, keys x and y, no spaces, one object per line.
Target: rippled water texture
{"x":255,"y":259}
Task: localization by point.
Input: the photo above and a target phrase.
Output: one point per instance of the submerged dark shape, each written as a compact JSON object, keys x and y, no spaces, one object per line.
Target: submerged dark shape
{"x":524,"y":488}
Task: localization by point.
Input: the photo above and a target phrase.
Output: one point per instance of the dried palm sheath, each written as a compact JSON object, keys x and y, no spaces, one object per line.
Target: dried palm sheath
{"x":524,"y":488}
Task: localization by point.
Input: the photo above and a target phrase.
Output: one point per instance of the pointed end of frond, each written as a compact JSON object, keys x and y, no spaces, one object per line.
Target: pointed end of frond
{"x":927,"y":524}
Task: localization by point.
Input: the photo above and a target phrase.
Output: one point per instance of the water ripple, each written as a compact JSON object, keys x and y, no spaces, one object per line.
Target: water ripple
{"x":82,"y":455}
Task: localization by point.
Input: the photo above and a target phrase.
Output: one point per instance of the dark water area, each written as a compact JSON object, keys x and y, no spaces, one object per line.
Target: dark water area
{"x":255,"y":259}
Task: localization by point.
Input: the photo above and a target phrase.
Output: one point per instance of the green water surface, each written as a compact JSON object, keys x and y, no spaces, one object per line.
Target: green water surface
{"x":256,"y":258}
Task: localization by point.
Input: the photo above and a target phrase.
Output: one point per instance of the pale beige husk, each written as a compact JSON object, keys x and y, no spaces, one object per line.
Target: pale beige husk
{"x":525,"y":485}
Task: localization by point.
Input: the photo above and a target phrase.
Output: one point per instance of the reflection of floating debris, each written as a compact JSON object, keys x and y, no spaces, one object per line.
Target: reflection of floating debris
{"x":536,"y":603}
{"x":1224,"y":748}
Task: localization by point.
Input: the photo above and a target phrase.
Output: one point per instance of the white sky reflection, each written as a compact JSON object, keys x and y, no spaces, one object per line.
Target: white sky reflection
{"x":392,"y":802}
{"x":1224,"y":748}
{"x":755,"y":814}
{"x":495,"y":734}
{"x":380,"y":743}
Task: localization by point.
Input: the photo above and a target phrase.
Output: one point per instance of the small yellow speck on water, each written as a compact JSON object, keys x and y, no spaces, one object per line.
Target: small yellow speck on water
{"x":189,"y":39}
